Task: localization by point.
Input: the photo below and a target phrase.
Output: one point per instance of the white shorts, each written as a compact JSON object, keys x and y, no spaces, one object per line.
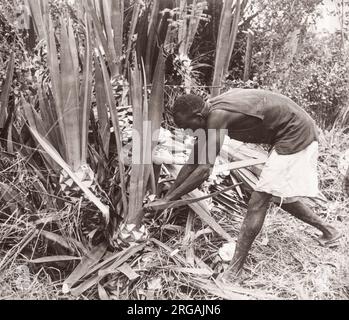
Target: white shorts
{"x":291,"y":176}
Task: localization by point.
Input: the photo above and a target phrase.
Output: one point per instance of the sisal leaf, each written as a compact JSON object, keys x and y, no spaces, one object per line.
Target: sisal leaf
{"x":99,"y":31}
{"x":53,"y":63}
{"x":102,"y":293}
{"x":134,"y":20}
{"x":222,"y":47}
{"x":87,"y":262}
{"x":201,"y":208}
{"x":196,"y":271}
{"x":127,"y":270}
{"x":70,"y":96}
{"x":238,"y":165}
{"x":117,"y":20}
{"x":54,"y":259}
{"x":102,"y":110}
{"x":35,"y":9}
{"x":5,"y":90}
{"x":86,"y":92}
{"x":153,"y":22}
{"x":137,"y":173}
{"x":233,"y":35}
{"x":121,"y":257}
{"x":179,"y":203}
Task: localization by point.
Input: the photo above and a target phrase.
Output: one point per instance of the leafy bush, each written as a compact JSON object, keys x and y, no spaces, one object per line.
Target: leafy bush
{"x":317,"y":79}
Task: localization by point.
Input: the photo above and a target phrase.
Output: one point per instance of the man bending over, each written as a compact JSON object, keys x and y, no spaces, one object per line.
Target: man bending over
{"x":261,"y":117}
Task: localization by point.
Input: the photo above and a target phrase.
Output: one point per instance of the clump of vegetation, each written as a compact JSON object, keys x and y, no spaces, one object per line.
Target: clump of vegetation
{"x":79,"y":78}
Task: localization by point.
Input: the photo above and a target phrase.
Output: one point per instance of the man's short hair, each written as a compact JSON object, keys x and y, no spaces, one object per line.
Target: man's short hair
{"x":188,"y":104}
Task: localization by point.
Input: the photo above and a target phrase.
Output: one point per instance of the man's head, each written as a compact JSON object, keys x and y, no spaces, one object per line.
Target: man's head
{"x":189,"y":112}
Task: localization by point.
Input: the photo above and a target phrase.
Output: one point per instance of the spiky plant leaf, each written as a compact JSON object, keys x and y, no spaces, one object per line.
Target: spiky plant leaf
{"x":222,"y":46}
{"x":115,"y":120}
{"x":137,"y":174}
{"x":86,"y":91}
{"x":5,"y":90}
{"x":102,"y":110}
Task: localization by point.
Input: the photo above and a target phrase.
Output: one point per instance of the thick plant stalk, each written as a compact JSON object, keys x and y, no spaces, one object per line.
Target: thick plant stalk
{"x":248,"y":55}
{"x":86,"y":91}
{"x":103,"y":118}
{"x":107,"y":7}
{"x":53,"y":65}
{"x":156,"y":109}
{"x":233,"y":35}
{"x":222,"y":47}
{"x":134,"y":20}
{"x":69,"y":76}
{"x":37,"y":8}
{"x":147,"y":139}
{"x":151,"y":39}
{"x":5,"y":90}
{"x":137,"y":174}
{"x":156,"y":103}
{"x":7,"y":116}
{"x":117,"y":17}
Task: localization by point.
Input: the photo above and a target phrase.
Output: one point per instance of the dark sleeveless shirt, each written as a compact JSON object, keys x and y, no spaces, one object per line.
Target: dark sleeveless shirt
{"x":284,"y":124}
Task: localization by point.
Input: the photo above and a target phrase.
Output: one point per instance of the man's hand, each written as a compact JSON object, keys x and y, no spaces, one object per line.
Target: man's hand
{"x":193,"y":181}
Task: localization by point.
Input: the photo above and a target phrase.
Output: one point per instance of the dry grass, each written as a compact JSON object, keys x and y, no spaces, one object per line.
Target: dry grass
{"x":181,"y":261}
{"x":18,"y":283}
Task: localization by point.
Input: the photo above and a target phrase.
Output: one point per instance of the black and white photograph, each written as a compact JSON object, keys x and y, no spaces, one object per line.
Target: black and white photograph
{"x":174,"y":155}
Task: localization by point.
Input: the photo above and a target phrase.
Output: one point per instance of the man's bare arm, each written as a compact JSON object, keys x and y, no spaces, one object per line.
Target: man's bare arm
{"x":214,"y":141}
{"x":194,"y":180}
{"x":187,"y":169}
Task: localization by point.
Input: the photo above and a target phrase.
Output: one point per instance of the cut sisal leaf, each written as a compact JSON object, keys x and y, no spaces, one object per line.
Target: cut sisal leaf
{"x":86,"y":92}
{"x":121,"y":257}
{"x":127,"y":270}
{"x":201,"y":208}
{"x":87,"y":262}
{"x":238,"y":165}
{"x":5,"y":90}
{"x":54,"y":259}
{"x":102,"y":293}
{"x":196,"y":271}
